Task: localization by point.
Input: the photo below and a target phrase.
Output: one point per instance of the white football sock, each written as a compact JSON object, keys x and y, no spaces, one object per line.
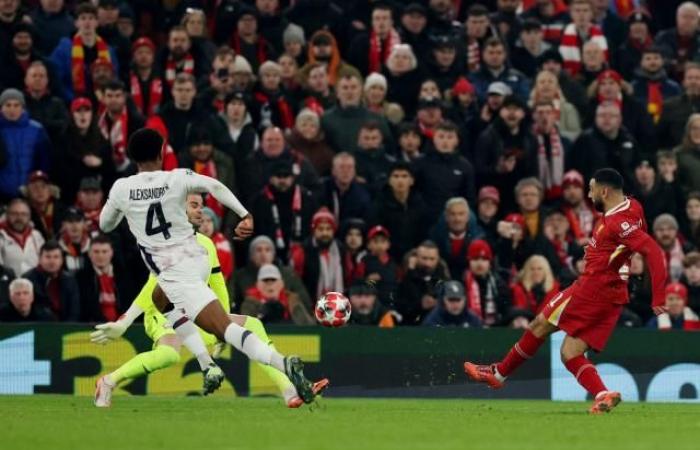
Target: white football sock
{"x":251,"y":345}
{"x":189,"y":336}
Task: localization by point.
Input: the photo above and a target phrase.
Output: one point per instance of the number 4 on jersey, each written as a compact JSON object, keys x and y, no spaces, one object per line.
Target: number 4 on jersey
{"x":155,"y":211}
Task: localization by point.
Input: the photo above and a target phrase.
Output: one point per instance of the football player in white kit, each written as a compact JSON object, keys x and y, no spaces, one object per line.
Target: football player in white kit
{"x":153,"y":202}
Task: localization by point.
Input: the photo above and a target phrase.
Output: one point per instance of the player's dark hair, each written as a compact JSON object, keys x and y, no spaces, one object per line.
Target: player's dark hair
{"x":609,"y":177}
{"x":145,"y":145}
{"x":50,"y":246}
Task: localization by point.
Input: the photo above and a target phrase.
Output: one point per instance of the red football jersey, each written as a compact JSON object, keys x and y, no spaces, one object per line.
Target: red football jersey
{"x":617,"y":235}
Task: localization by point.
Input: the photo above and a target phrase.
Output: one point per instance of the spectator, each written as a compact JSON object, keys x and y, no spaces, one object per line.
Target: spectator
{"x":377,"y":266}
{"x":639,"y":289}
{"x":210,"y":226}
{"x":639,"y":39}
{"x":316,"y":93}
{"x":74,"y":56}
{"x":444,"y":67}
{"x":688,"y":154}
{"x":6,"y":277}
{"x":352,"y":233}
{"x":195,"y":22}
{"x":272,"y":107}
{"x":105,"y":289}
{"x":487,"y":214}
{"x":182,"y":113}
{"x":496,"y":94}
{"x":666,"y":234}
{"x":47,"y":109}
{"x":53,"y":287}
{"x":118,"y":122}
{"x":290,"y":76}
{"x":400,"y":209}
{"x":22,"y":307}
{"x":691,"y":279}
{"x":178,"y":58}
{"x":651,"y":84}
{"x":270,"y":302}
{"x":107,"y":17}
{"x":680,"y":44}
{"x":414,"y":30}
{"x":495,"y":68}
{"x":453,"y":235}
{"x":23,"y":142}
{"x":294,"y":43}
{"x":488,"y":294}
{"x":577,"y":33}
{"x":676,"y":111}
{"x":678,"y":315}
{"x":81,"y":152}
{"x":19,"y":241}
{"x":410,"y":142}
{"x":145,"y":85}
{"x":54,"y":21}
{"x":507,"y":151}
{"x":610,"y":22}
{"x":691,"y":224}
{"x":464,"y":109}
{"x":443,"y":173}
{"x":577,"y":209}
{"x":233,"y":130}
{"x":535,"y":285}
{"x":557,"y":230}
{"x":403,"y":76}
{"x":452,"y":309}
{"x":262,"y":251}
{"x":553,"y":17}
{"x":366,"y":308}
{"x":532,"y":44}
{"x":547,"y":90}
{"x":90,"y":200}
{"x":47,"y":209}
{"x":324,"y":49}
{"x":342,"y":123}
{"x":417,"y":292}
{"x":369,"y":52}
{"x":428,"y":117}
{"x":319,"y":263}
{"x":273,"y":148}
{"x":308,"y":139}
{"x":606,"y":144}
{"x":552,"y":149}
{"x":373,"y":162}
{"x":375,"y":100}
{"x":593,"y":63}
{"x":74,"y":240}
{"x":342,"y":193}
{"x":656,"y":194}
{"x":248,"y":41}
{"x":283,"y":209}
{"x":552,"y":61}
{"x":220,"y":84}
{"x":478,"y":29}
{"x":243,"y":77}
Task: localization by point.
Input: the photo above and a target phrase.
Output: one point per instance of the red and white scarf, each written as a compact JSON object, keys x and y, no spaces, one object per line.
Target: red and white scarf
{"x":283,"y":299}
{"x":691,"y":321}
{"x":571,"y":45}
{"x":296,"y":217}
{"x":674,"y":260}
{"x":78,"y":68}
{"x":379,"y":51}
{"x":285,"y":110}
{"x":488,"y":314}
{"x":551,"y":169}
{"x":108,"y":293}
{"x":20,"y":238}
{"x":155,"y":94}
{"x":260,"y":47}
{"x":330,"y":276}
{"x":116,"y":134}
{"x":473,"y":56}
{"x":172,"y":68}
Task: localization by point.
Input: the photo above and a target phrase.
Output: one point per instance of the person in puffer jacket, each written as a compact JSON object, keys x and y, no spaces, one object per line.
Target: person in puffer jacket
{"x":24,"y":144}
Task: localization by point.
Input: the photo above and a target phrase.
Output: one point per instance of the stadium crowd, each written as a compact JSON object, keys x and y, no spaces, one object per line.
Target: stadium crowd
{"x":430,"y":159}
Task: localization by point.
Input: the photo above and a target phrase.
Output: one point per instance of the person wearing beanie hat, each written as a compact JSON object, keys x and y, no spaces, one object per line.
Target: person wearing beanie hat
{"x":22,"y":51}
{"x":666,"y":233}
{"x":487,"y":292}
{"x":464,"y":110}
{"x":678,"y":315}
{"x":576,"y":207}
{"x":367,"y":310}
{"x":145,"y":87}
{"x":639,"y":37}
{"x":318,"y":262}
{"x":125,"y":22}
{"x":487,"y":209}
{"x":377,"y":265}
{"x":249,"y":42}
{"x":55,"y":22}
{"x":210,"y":227}
{"x":308,"y":139}
{"x":24,"y":144}
{"x":272,"y":106}
{"x":294,"y":43}
{"x":352,"y":236}
{"x":452,"y":308}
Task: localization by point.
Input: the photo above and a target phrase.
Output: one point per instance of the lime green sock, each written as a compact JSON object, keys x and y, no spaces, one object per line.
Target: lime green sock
{"x":144,"y":363}
{"x":281,"y":381}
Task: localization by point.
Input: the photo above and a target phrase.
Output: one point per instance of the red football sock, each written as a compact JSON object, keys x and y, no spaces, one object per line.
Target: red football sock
{"x":523,"y":350}
{"x":586,"y":374}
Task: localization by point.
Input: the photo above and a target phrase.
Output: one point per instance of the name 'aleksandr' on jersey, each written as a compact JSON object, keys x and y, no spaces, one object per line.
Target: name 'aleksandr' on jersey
{"x":147,"y":193}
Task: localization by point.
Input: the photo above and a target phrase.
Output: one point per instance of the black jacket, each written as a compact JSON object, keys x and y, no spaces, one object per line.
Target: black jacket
{"x":412,"y":288}
{"x":38,"y":313}
{"x":373,"y":166}
{"x":635,"y":119}
{"x":90,"y":293}
{"x":671,"y":126}
{"x":180,"y":123}
{"x":69,"y":309}
{"x":403,"y":89}
{"x":258,"y":168}
{"x":351,"y":204}
{"x":51,"y":112}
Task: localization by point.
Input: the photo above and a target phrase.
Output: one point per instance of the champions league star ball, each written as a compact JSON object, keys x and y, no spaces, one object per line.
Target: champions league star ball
{"x":333,"y":310}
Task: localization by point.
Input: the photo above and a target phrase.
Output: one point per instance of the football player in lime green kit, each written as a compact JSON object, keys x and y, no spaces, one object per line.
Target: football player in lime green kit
{"x":166,"y":348}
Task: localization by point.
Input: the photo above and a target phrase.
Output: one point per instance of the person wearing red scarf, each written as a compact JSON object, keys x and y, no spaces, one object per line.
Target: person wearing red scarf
{"x":248,"y":42}
{"x":90,"y":200}
{"x":639,"y":38}
{"x":580,"y":214}
{"x":117,"y":122}
{"x":178,"y":57}
{"x":577,"y":33}
{"x":369,"y":52}
{"x":551,"y":148}
{"x":47,"y":210}
{"x":272,"y":107}
{"x":74,"y":240}
{"x":651,"y":84}
{"x":270,"y":301}
{"x":488,"y":295}
{"x":19,"y":241}
{"x":146,"y":88}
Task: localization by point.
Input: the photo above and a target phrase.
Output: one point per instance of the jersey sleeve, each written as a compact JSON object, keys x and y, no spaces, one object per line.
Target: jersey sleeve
{"x":217,"y":283}
{"x":197,"y":183}
{"x":113,"y":211}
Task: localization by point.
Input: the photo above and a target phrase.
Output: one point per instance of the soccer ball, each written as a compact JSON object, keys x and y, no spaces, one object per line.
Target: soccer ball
{"x":333,"y":310}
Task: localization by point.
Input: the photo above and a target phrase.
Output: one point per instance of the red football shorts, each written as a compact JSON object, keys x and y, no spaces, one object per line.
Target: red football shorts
{"x":589,"y":320}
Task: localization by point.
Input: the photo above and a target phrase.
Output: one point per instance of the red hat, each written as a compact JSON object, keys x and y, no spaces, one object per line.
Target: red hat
{"x":101,"y":62}
{"x":143,"y":42}
{"x":80,"y":102}
{"x":463,"y":86}
{"x":678,"y":289}
{"x":516,"y":218}
{"x":321,"y":216}
{"x":479,"y":249}
{"x":38,"y":175}
{"x":489,"y":193}
{"x":572,"y":177}
{"x":376,"y":230}
{"x":609,"y":74}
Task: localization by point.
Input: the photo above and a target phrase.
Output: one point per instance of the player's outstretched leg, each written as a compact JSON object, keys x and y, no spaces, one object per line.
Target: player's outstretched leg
{"x":494,"y":375}
{"x":162,"y":356}
{"x":286,"y":388}
{"x":573,"y":356}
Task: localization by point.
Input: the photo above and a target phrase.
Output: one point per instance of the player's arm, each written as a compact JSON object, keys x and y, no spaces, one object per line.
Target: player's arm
{"x":111,"y":214}
{"x":640,"y":242}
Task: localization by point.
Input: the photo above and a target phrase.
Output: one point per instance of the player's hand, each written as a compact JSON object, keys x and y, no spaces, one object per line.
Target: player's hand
{"x":107,"y":332}
{"x":658,"y":310}
{"x":244,"y":229}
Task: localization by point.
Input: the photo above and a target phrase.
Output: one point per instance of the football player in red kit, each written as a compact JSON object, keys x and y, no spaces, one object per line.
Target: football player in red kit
{"x":588,"y":310}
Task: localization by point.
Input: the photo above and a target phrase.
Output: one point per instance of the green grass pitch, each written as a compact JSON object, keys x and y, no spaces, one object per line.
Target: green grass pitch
{"x":173,"y":423}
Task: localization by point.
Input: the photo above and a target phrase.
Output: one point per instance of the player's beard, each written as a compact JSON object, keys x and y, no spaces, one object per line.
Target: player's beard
{"x":598,"y":205}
